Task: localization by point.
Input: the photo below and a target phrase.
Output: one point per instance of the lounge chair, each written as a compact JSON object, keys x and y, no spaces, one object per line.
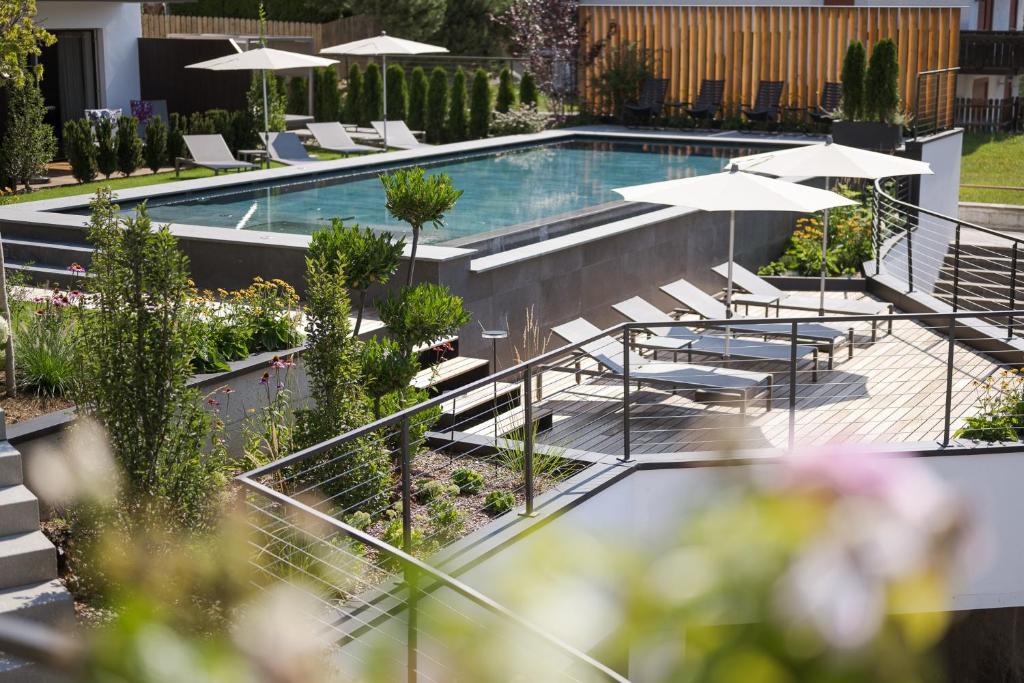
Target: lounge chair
{"x":766,"y":104}
{"x":680,"y":338}
{"x":695,"y":300}
{"x":608,"y":352}
{"x":333,"y":137}
{"x":209,"y":151}
{"x":763,"y":293}
{"x":651,"y":100}
{"x":399,"y":135}
{"x":831,"y":98}
{"x":709,"y":100}
{"x":286,"y":148}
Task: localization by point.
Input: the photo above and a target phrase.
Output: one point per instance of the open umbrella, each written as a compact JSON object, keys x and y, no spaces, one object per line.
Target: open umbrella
{"x":263,"y":59}
{"x":382,"y":46}
{"x":830,"y":161}
{"x":734,"y":191}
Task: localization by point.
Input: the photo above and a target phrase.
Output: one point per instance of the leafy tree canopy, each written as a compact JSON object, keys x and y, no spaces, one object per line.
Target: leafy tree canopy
{"x":19,"y":39}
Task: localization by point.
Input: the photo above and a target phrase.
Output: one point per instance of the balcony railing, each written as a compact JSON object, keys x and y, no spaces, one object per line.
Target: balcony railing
{"x":992,"y":52}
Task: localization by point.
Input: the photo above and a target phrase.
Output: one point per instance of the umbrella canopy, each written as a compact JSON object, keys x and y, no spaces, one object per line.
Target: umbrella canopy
{"x":382,"y":46}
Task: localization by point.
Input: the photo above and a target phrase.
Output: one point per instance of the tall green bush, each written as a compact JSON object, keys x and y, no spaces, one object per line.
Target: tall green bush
{"x":354,"y":95}
{"x":176,"y":137}
{"x":129,"y":146}
{"x":372,"y":95}
{"x":106,"y":147}
{"x":134,"y":351}
{"x":506,"y":98}
{"x":28,"y":144}
{"x":80,"y":149}
{"x":458,"y":126}
{"x":853,"y":81}
{"x":276,"y":102}
{"x":326,"y":96}
{"x":480,"y":105}
{"x":418,"y":86}
{"x":882,"y":91}
{"x":297,"y":95}
{"x":528,"y":94}
{"x":156,"y":144}
{"x":398,"y":94}
{"x":437,"y":105}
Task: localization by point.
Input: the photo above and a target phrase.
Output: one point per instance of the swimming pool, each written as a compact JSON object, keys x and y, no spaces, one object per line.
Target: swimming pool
{"x":503,"y":188}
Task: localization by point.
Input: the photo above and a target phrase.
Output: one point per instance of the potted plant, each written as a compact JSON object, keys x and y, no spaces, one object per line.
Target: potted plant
{"x":870,"y":110}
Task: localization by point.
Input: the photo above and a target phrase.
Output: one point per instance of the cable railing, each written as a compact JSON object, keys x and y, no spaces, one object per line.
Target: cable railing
{"x":934,"y":99}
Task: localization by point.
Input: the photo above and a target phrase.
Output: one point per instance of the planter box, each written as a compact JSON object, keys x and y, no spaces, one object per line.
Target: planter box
{"x":879,"y":137}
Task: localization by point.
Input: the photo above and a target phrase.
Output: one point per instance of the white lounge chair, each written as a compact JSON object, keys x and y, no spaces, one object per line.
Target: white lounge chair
{"x":693,"y":299}
{"x":209,"y":151}
{"x":608,"y":353}
{"x":332,"y":136}
{"x":679,"y":338}
{"x":763,"y":293}
{"x":286,"y":148}
{"x":398,"y":135}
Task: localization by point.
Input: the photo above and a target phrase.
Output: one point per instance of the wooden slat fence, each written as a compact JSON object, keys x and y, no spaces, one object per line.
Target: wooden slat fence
{"x":990,"y":116}
{"x":323,"y":35}
{"x":803,"y":46}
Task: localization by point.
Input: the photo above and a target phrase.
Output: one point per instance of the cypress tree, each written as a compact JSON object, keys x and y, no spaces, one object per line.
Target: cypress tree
{"x":354,"y":95}
{"x":372,"y":96}
{"x":156,"y":143}
{"x":528,"y":91}
{"x":853,"y":81}
{"x":298,"y":95}
{"x":80,"y":148}
{"x":106,"y":148}
{"x":418,"y":99}
{"x":458,"y":126}
{"x":28,"y":144}
{"x":326,"y":97}
{"x":480,"y":105}
{"x":437,"y":105}
{"x":129,"y":146}
{"x":398,"y":93}
{"x":882,"y":91}
{"x":506,"y":92}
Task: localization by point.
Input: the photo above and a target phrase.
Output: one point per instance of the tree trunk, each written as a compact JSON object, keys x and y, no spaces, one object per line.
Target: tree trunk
{"x":5,"y":309}
{"x":359,"y":313}
{"x":412,"y":254}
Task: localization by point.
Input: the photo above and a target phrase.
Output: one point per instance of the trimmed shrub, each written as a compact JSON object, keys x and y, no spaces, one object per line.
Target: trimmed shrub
{"x":80,"y":149}
{"x":470,"y":482}
{"x":506,"y":91}
{"x":106,"y":147}
{"x":418,"y":99}
{"x":354,"y":95}
{"x":242,"y":132}
{"x":881,"y":86}
{"x":528,"y":94}
{"x":175,"y":138}
{"x":326,"y":96}
{"x":156,"y":144}
{"x":398,"y":94}
{"x":525,"y":119}
{"x":499,"y":502}
{"x":437,"y":105}
{"x":372,"y":95}
{"x":422,"y":314}
{"x":458,"y":126}
{"x":853,"y":81}
{"x":28,"y":144}
{"x":129,"y":146}
{"x":480,"y":105}
{"x":428,"y":490}
{"x":298,"y":95}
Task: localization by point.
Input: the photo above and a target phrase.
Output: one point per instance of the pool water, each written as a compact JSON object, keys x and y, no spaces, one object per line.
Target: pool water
{"x":511,"y":187}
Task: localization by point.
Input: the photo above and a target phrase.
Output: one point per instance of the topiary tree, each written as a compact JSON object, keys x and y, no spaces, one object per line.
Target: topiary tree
{"x":372,"y":96}
{"x":418,"y":86}
{"x":398,"y":94}
{"x":385,"y":370}
{"x":506,"y":92}
{"x":422,"y":315}
{"x":437,"y":105}
{"x":354,"y":95}
{"x":297,"y":101}
{"x":80,"y":149}
{"x":106,"y":147}
{"x":480,"y":105}
{"x":370,"y":258}
{"x":528,"y":95}
{"x":882,"y":91}
{"x":176,"y":137}
{"x":853,"y":81}
{"x":129,"y":146}
{"x":156,"y":143}
{"x":326,"y":96}
{"x":28,"y":144}
{"x":418,"y":199}
{"x":458,"y":126}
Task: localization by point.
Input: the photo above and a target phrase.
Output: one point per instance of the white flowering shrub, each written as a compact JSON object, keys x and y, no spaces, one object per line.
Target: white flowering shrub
{"x":519,"y":121}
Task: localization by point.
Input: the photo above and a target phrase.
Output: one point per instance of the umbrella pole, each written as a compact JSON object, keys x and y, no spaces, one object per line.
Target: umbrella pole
{"x":266,"y":115}
{"x":728,"y":287}
{"x":384,"y":71}
{"x":824,"y":258}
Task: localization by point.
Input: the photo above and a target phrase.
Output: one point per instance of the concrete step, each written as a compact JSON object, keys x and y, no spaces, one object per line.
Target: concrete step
{"x":469,"y":408}
{"x":983,"y":275}
{"x":54,"y":254}
{"x":19,"y":512}
{"x":984,"y":261}
{"x":48,"y":602}
{"x":10,"y":465}
{"x":999,"y":249}
{"x":986,"y":290}
{"x":27,"y":558}
{"x":44,"y":275}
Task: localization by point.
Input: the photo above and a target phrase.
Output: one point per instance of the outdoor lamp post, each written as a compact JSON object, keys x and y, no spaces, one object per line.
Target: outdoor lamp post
{"x":494,"y":336}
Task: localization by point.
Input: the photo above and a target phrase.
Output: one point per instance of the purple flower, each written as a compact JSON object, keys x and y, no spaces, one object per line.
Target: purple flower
{"x":265,"y":379}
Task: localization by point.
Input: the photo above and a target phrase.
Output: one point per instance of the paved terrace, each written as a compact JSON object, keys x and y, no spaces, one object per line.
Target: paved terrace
{"x":891,"y":391}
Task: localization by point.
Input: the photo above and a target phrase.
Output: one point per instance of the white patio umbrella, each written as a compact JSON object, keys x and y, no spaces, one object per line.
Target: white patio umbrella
{"x":830,"y":161}
{"x":263,"y":59}
{"x":382,"y":46}
{"x":734,"y":191}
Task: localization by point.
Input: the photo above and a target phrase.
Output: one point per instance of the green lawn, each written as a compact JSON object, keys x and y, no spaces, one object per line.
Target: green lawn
{"x":992,"y":159}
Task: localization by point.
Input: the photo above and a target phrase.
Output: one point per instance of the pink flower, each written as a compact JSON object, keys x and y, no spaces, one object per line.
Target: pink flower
{"x":76,"y":268}
{"x":265,"y":379}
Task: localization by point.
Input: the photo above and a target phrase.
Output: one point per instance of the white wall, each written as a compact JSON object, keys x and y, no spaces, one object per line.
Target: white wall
{"x":119,"y":27}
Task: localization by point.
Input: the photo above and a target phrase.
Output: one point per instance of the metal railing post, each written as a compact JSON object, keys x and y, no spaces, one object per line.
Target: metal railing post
{"x":529,"y":436}
{"x":949,"y":381}
{"x":910,"y":258}
{"x":876,"y":226}
{"x":406,"y":487}
{"x":956,"y":269}
{"x":1013,"y":290}
{"x":792,"y":385}
{"x":625,"y":394}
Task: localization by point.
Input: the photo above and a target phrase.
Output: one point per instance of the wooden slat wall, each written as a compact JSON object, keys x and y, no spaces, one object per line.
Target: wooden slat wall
{"x":802,"y":45}
{"x":324,"y":35}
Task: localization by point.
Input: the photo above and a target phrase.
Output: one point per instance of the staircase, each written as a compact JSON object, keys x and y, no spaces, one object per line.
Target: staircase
{"x":29,"y":588}
{"x":44,"y":261}
{"x":984,"y":278}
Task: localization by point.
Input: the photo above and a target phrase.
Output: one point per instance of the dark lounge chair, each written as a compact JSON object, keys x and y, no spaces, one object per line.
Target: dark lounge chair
{"x":831,"y":98}
{"x":651,"y":101}
{"x":766,"y":105}
{"x":709,"y":100}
